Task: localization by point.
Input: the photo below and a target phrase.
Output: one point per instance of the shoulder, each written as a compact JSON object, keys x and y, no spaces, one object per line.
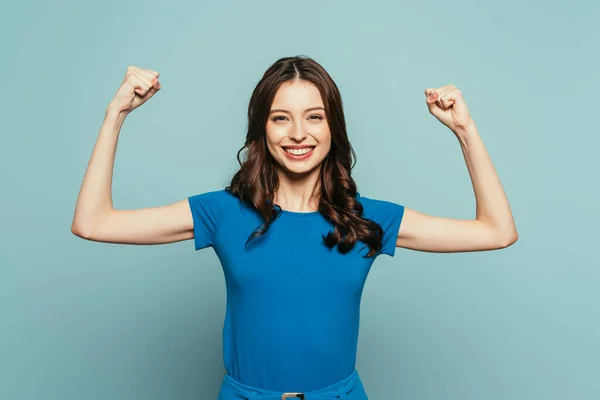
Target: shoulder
{"x":210,"y":210}
{"x":376,"y":208}
{"x":220,"y":199}
{"x":217,"y":203}
{"x":216,"y":196}
{"x":388,"y":215}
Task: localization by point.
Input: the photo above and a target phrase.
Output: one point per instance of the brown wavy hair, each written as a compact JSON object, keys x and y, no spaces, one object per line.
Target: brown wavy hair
{"x":257,"y":180}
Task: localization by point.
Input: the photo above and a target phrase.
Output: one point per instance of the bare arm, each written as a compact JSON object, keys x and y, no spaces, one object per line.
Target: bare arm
{"x":493,"y":226}
{"x":95,"y":217}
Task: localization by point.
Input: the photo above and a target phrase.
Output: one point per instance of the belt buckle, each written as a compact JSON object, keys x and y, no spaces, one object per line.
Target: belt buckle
{"x":292,"y":395}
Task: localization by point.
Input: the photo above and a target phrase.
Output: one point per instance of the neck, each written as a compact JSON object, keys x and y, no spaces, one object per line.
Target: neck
{"x":295,"y":192}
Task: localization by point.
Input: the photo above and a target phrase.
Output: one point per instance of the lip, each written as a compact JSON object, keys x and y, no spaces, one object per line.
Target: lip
{"x":298,"y":146}
{"x":298,"y":158}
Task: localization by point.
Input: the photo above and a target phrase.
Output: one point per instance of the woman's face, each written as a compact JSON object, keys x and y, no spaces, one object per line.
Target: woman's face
{"x":298,"y":135}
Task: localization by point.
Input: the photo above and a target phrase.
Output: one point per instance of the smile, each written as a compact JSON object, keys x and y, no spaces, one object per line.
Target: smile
{"x":300,"y":153}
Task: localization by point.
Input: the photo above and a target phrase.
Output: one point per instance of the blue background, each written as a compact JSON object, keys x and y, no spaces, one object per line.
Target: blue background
{"x":84,"y":320}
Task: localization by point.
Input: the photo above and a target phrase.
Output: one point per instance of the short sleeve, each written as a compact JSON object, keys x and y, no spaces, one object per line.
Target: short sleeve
{"x":207,"y":212}
{"x":388,"y":215}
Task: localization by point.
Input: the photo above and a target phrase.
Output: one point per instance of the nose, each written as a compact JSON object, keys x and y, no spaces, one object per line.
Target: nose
{"x":297,"y":133}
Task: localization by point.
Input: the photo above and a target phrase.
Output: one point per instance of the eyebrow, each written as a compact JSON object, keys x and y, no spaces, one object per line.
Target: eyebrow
{"x":286,"y":111}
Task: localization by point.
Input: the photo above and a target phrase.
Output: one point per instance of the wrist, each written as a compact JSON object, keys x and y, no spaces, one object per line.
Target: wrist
{"x":115,"y":112}
{"x":468,"y":129}
{"x":466,"y":132}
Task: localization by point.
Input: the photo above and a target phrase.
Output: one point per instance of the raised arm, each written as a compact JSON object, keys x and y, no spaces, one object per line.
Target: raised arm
{"x":95,"y":217}
{"x":493,"y":226}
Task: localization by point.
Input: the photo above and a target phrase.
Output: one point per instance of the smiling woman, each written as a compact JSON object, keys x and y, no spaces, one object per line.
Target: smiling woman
{"x":295,"y":239}
{"x":298,"y":156}
{"x":297,"y":128}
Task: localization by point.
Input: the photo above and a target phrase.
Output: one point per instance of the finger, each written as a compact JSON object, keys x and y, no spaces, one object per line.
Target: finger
{"x":456,"y":97}
{"x":441,"y":99}
{"x":139,"y":84}
{"x":151,"y":92}
{"x":452,"y":97}
{"x":428,"y":91}
{"x":150,"y":76}
{"x":431,"y":102}
{"x":441,"y":93}
{"x":431,"y":94}
{"x":445,"y":101}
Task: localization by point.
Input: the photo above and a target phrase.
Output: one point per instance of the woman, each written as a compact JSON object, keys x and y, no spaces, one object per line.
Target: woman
{"x":294,"y":237}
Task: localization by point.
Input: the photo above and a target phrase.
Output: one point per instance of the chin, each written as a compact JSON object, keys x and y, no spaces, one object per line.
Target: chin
{"x":298,"y":172}
{"x":298,"y":168}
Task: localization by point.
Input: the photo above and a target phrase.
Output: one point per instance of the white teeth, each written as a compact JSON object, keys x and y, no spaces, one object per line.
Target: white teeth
{"x":299,"y":152}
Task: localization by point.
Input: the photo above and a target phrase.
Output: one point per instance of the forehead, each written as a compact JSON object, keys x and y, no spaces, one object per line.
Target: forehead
{"x":297,"y":95}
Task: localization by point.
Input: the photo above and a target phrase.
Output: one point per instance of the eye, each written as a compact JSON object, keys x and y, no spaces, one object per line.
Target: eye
{"x":276,"y":118}
{"x":317,"y":117}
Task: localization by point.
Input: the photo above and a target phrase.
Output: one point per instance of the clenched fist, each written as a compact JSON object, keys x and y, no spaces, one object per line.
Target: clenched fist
{"x":138,"y":86}
{"x":448,"y":105}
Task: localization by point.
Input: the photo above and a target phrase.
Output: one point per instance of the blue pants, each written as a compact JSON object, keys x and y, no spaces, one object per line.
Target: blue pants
{"x":350,"y":388}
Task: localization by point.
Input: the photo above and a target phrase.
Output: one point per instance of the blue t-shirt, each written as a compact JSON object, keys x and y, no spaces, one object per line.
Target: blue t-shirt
{"x":293,"y":304}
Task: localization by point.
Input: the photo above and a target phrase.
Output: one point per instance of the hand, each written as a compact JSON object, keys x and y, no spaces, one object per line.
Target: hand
{"x":447,"y":104}
{"x":138,"y":86}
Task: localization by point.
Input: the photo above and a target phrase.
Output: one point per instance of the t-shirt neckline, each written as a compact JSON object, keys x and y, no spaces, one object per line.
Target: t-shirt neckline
{"x":299,"y":214}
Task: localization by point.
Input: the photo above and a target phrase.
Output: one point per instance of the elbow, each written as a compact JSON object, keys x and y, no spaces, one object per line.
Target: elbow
{"x":508,"y":239}
{"x":89,"y":227}
{"x":81,"y":230}
{"x":86,"y":226}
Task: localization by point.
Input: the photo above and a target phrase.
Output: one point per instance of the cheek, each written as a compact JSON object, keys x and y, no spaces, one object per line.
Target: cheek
{"x":271,"y":139}
{"x":325,"y":139}
{"x":326,"y":149}
{"x":275,"y":134}
{"x":272,"y":149}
